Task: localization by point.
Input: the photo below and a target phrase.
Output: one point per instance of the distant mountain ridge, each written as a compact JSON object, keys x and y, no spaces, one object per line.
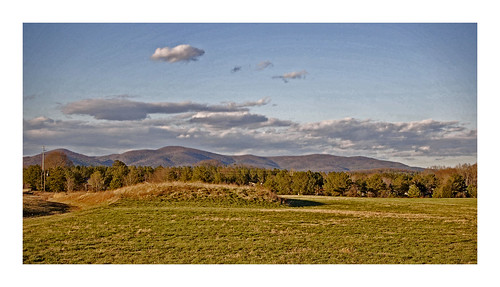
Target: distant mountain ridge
{"x":182,"y":156}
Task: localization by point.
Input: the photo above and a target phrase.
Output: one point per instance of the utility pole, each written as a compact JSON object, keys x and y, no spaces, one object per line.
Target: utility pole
{"x":43,"y":167}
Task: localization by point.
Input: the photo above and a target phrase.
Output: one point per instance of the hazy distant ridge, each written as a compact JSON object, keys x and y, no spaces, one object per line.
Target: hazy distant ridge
{"x":182,"y":156}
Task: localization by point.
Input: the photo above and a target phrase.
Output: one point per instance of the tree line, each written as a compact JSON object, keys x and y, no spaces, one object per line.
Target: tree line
{"x":61,"y":176}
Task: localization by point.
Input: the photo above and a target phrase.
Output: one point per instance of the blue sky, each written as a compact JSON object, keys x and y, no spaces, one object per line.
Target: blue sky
{"x":404,"y":92}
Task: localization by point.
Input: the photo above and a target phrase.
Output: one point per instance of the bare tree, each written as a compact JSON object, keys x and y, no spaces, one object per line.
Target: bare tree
{"x":96,"y":181}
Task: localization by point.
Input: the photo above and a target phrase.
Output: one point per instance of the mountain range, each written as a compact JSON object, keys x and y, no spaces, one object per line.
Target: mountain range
{"x":182,"y":156}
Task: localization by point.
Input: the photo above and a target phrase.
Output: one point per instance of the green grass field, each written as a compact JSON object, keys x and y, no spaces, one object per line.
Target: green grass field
{"x":160,"y":225}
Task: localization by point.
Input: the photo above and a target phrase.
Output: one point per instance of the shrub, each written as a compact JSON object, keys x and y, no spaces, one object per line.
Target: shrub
{"x":353,"y":191}
{"x":472,"y":191}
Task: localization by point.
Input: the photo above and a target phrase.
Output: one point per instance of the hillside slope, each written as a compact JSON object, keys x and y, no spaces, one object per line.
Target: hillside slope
{"x":182,"y":156}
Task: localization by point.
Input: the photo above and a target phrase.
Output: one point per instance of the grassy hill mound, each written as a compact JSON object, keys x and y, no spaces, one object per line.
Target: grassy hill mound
{"x":174,"y":192}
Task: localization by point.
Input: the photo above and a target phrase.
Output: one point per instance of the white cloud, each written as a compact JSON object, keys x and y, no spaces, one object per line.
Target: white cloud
{"x":295,"y":75}
{"x":37,"y":122}
{"x":258,"y":103}
{"x":292,"y":75}
{"x":178,"y":53}
{"x":263,"y":65}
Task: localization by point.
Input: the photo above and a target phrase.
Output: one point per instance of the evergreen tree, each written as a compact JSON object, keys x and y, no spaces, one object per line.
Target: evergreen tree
{"x":401,"y":184}
{"x":337,"y":183}
{"x":56,"y":179}
{"x":375,"y":185}
{"x":32,"y":177}
{"x":283,"y":182}
{"x":457,"y":185}
{"x":118,"y":171}
{"x":414,"y":191}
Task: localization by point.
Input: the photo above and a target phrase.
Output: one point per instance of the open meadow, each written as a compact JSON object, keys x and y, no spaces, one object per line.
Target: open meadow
{"x":191,"y":223}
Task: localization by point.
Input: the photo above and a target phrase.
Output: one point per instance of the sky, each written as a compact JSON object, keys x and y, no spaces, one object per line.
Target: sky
{"x":401,"y":92}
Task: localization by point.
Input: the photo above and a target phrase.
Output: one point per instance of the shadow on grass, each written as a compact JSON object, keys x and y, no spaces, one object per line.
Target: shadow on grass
{"x":301,"y":203}
{"x":36,"y":206}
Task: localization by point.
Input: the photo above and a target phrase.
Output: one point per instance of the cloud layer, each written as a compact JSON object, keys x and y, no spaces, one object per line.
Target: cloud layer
{"x":232,"y":128}
{"x":177,"y":54}
{"x":426,"y":137}
{"x":121,"y":109}
{"x":233,"y":120}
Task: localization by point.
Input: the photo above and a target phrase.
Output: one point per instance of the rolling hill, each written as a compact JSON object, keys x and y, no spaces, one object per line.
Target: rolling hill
{"x":182,"y":156}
